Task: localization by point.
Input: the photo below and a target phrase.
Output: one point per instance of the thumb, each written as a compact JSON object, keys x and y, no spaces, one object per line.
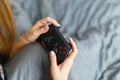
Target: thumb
{"x":53,"y":60}
{"x":40,"y":31}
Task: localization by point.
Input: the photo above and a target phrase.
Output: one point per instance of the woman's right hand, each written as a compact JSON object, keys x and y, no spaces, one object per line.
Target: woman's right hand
{"x":61,"y":71}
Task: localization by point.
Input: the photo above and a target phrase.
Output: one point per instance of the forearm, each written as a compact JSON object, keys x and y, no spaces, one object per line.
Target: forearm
{"x":31,"y":35}
{"x":17,"y":46}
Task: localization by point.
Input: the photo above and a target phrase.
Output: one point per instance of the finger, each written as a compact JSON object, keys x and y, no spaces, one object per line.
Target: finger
{"x":74,"y":49}
{"x":53,"y":60}
{"x":50,"y":20}
{"x":73,"y":44}
{"x":40,"y":31}
{"x":46,"y":20}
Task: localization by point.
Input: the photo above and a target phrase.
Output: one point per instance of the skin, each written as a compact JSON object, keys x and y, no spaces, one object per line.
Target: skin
{"x":61,"y":71}
{"x":31,"y":35}
{"x":58,"y":72}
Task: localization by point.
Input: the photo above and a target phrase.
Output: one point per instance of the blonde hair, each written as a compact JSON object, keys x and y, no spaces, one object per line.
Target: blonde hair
{"x":7,"y":33}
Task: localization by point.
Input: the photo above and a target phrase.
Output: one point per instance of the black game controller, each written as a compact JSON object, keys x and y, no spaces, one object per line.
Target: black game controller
{"x":53,"y":40}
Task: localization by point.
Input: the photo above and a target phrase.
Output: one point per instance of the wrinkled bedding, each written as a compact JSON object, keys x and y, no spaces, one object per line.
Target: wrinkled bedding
{"x":93,"y":24}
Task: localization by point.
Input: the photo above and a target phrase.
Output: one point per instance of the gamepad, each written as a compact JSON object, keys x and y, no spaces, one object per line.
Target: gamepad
{"x":53,"y":40}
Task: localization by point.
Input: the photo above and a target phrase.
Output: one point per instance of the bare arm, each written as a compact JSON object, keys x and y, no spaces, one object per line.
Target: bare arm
{"x":58,"y":72}
{"x":31,"y":35}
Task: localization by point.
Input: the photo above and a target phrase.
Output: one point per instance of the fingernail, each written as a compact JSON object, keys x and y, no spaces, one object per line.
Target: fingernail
{"x":58,"y":25}
{"x":52,"y":53}
{"x":70,"y":38}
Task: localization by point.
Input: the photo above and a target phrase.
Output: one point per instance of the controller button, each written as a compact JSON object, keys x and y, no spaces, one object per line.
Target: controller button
{"x":48,"y":39}
{"x":56,"y":44}
{"x":62,"y":49}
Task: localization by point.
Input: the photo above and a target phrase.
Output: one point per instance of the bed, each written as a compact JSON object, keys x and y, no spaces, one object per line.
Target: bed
{"x":93,"y":24}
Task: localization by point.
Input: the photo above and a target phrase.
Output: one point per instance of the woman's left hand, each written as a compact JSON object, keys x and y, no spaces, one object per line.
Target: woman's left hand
{"x":31,"y":35}
{"x":39,"y":28}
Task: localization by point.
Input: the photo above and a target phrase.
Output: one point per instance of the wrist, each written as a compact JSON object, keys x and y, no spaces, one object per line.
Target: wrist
{"x":23,"y":40}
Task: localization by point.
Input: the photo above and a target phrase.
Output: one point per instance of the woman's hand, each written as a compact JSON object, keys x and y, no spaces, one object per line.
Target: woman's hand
{"x":61,"y":71}
{"x":31,"y":35}
{"x":39,"y":28}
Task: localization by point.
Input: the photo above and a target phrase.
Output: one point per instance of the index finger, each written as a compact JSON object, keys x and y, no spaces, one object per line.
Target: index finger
{"x":74,"y":52}
{"x":46,"y":21}
{"x":51,"y":21}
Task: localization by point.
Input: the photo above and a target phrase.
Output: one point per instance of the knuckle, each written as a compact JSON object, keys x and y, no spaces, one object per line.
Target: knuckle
{"x":55,"y":21}
{"x":76,"y":51}
{"x":48,"y":18}
{"x":38,"y":22}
